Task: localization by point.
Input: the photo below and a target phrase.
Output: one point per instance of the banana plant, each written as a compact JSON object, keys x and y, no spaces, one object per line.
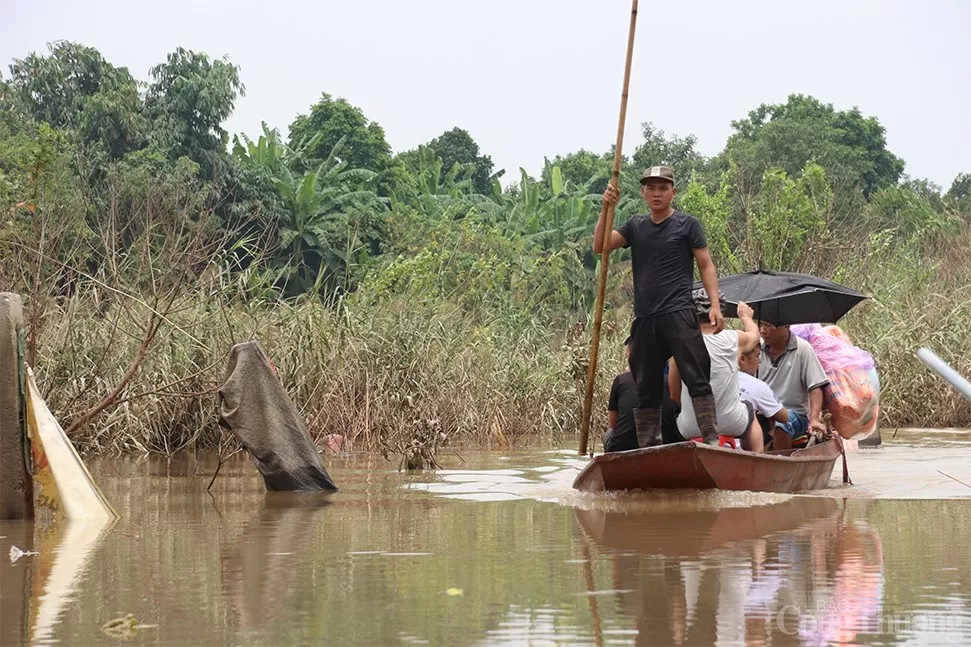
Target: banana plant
{"x":316,"y":240}
{"x":554,"y":214}
{"x":268,"y":152}
{"x":434,"y":191}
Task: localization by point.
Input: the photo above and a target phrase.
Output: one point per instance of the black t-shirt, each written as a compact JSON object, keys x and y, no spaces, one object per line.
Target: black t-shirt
{"x":623,"y":400}
{"x":663,"y":261}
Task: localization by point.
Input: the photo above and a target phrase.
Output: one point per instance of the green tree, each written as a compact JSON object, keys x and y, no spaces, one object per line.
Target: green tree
{"x":331,"y":120}
{"x":76,"y":90}
{"x":485,"y":269}
{"x":958,"y":197}
{"x":583,"y":168}
{"x":592,"y":170}
{"x":558,"y":217}
{"x":44,"y":210}
{"x":456,"y":146}
{"x":927,"y":190}
{"x":555,"y":213}
{"x":250,"y":180}
{"x":433,"y":189}
{"x":960,"y":188}
{"x":852,"y":148}
{"x":677,"y":152}
{"x":714,"y":210}
{"x":786,"y":221}
{"x":908,"y":209}
{"x":268,"y":154}
{"x":189,"y":99}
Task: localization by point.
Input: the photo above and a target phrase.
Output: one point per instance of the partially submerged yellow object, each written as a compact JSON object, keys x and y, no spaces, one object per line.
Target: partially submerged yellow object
{"x":62,"y":483}
{"x":64,"y":489}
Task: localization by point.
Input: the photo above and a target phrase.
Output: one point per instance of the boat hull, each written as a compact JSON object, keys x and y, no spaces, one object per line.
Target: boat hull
{"x":691,"y":465}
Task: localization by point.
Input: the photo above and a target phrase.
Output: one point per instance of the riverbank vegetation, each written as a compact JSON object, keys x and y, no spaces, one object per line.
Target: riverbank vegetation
{"x":417,"y":297}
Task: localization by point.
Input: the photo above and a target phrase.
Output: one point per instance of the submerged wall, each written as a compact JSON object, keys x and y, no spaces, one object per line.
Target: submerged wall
{"x":16,"y":495}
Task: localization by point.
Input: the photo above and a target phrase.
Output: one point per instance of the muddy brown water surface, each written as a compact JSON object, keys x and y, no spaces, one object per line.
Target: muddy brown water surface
{"x":498,"y":550}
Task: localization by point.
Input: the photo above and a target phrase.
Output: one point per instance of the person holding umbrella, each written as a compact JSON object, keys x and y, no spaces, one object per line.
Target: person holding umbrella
{"x":665,"y":245}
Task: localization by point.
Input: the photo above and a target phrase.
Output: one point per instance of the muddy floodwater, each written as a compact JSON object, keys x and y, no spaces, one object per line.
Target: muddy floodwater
{"x":497,"y":550}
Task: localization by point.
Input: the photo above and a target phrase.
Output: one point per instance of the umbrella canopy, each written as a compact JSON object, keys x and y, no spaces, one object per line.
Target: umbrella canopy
{"x":784,"y":298}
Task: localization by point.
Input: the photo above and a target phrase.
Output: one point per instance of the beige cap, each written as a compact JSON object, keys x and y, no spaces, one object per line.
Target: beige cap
{"x":662,"y":172}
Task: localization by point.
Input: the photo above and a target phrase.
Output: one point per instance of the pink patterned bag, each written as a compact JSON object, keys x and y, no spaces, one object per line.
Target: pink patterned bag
{"x":852,"y":397}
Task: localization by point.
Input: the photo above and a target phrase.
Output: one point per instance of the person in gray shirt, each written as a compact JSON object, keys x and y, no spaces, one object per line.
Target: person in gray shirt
{"x":791,"y":369}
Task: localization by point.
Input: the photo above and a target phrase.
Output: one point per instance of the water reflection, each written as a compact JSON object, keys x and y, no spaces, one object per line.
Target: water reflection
{"x":39,"y":588}
{"x":64,"y":554}
{"x":848,"y":565}
{"x":789,"y":573}
{"x":382,"y":564}
{"x":259,"y":568}
{"x":668,"y":529}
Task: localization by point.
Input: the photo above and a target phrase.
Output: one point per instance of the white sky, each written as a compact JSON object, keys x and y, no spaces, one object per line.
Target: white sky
{"x":529,"y":78}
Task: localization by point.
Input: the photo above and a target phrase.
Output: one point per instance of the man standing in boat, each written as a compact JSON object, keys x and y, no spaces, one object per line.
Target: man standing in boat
{"x":664,"y":246}
{"x":621,"y":435}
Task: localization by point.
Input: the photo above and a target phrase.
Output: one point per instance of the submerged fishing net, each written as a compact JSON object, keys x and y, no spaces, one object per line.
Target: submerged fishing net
{"x":256,"y":408}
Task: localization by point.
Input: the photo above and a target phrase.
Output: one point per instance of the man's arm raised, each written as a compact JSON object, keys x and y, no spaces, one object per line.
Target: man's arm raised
{"x":748,"y":337}
{"x":709,"y":278}
{"x":611,"y":196}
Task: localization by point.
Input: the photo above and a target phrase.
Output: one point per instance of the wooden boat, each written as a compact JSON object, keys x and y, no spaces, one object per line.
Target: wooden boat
{"x":692,"y":465}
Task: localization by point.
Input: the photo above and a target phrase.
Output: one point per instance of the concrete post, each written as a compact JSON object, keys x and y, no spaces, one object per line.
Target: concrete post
{"x":16,"y":487}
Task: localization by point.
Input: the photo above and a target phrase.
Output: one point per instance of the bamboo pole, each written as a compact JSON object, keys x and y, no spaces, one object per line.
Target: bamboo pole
{"x":607,"y":218}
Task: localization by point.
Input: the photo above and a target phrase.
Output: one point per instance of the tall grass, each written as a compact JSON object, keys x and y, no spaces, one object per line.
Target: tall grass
{"x":921,"y":297}
{"x":390,"y":373}
{"x":385,"y":375}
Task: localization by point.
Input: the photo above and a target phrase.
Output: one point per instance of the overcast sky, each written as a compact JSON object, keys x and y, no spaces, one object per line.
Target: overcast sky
{"x":529,"y":78}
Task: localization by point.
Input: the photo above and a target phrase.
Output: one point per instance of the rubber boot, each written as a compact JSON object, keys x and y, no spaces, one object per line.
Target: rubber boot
{"x":705,"y":415}
{"x":647,"y":422}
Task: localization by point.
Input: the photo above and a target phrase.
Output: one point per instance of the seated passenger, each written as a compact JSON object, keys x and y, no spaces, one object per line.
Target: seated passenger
{"x":768,"y":409}
{"x":621,"y":435}
{"x":789,"y":366}
{"x":733,"y":417}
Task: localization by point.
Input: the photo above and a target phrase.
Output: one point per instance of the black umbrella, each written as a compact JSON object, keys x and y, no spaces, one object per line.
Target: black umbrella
{"x":783,"y":298}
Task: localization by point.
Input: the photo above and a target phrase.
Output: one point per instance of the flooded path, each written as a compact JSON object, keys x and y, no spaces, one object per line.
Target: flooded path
{"x":497,"y":550}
